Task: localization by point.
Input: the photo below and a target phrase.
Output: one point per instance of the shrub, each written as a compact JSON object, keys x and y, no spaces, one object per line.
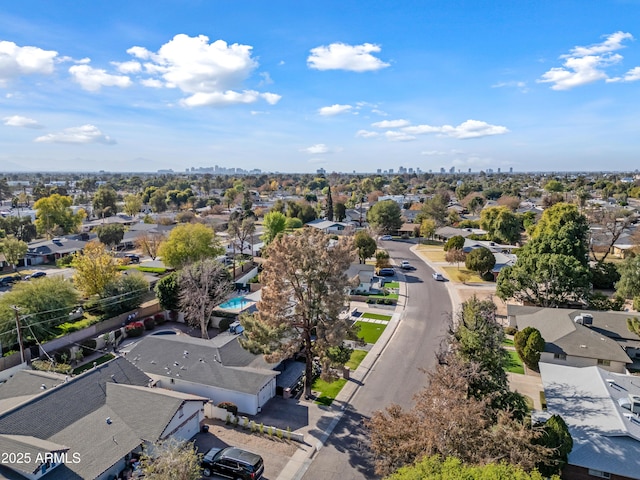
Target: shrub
{"x":62,"y":356}
{"x":134,"y":329}
{"x":224,"y":324}
{"x":149,"y":323}
{"x":159,"y":319}
{"x":529,"y":345}
{"x":65,"y":261}
{"x":636,"y":303}
{"x":229,"y":407}
{"x":510,"y":330}
{"x":49,"y":366}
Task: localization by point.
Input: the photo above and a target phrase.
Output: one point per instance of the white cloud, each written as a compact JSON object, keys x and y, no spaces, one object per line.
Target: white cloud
{"x":317,"y":149}
{"x":434,"y":153}
{"x":632,"y":75}
{"x":19,"y":121}
{"x":468,"y":129}
{"x":334,"y":110}
{"x":16,"y":61}
{"x":340,"y":56}
{"x":584,"y":65}
{"x":391,"y":123}
{"x":379,"y":112}
{"x":366,"y":134}
{"x":396,"y":136}
{"x":79,"y":135}
{"x":128,"y":67}
{"x":93,"y":79}
{"x":522,"y":86}
{"x":211,"y":74}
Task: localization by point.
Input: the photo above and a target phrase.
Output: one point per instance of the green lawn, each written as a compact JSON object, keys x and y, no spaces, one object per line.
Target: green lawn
{"x":329,"y":391}
{"x":376,"y":316}
{"x":393,"y":296}
{"x":370,"y":332}
{"x":508,"y":342}
{"x":392,"y":285}
{"x":514,"y":364}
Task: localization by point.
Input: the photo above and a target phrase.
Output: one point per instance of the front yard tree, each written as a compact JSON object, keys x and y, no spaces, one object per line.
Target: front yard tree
{"x":455,"y":255}
{"x":629,"y":284}
{"x":365,"y":245}
{"x":105,"y":201}
{"x":304,"y":290}
{"x":41,"y":304}
{"x":529,"y":345}
{"x":501,"y":224}
{"x":149,"y":243}
{"x":110,"y":235}
{"x":204,"y":285}
{"x":168,"y":292}
{"x":171,"y":460}
{"x":428,"y":228}
{"x":132,"y":204}
{"x":189,"y":243}
{"x":456,"y":241}
{"x":54,"y":216}
{"x":95,"y":268}
{"x":13,"y":250}
{"x":480,"y":260}
{"x":274,"y":223}
{"x":125,"y":293}
{"x":385,"y":216}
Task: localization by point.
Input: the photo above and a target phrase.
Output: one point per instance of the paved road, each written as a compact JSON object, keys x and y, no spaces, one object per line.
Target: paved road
{"x":396,"y":376}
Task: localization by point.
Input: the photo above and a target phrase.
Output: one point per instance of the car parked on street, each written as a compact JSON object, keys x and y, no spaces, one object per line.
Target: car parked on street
{"x":386,"y":272}
{"x":386,"y":237}
{"x":36,"y":275}
{"x":232,"y":462}
{"x":9,"y":280}
{"x":132,"y":258}
{"x":438,"y":276}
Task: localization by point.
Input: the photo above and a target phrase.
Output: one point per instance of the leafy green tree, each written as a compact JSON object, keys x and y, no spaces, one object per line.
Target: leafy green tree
{"x":529,"y":345}
{"x":204,"y":284}
{"x":305,"y":288}
{"x":456,"y":242}
{"x":294,"y":223}
{"x":132,"y":204}
{"x":383,"y":259}
{"x":13,"y":250}
{"x":435,"y":208}
{"x":125,"y":293}
{"x":94,"y":268}
{"x":554,"y":186}
{"x":111,"y":235}
{"x":187,"y":243}
{"x":633,"y":325}
{"x":158,"y":201}
{"x":273,"y":224}
{"x":436,"y":468}
{"x":556,"y":436}
{"x":545,"y":280}
{"x":604,"y":275}
{"x":428,"y":228}
{"x":385,"y":216}
{"x":54,"y":216}
{"x":168,"y":292}
{"x":365,"y":244}
{"x":480,"y":260}
{"x":105,"y":201}
{"x":42,"y":304}
{"x":501,"y":224}
{"x":629,"y":284}
{"x":171,"y":460}
{"x":329,"y":207}
{"x":340,"y":211}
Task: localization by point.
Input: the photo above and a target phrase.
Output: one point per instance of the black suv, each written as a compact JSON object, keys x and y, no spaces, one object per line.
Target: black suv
{"x":232,"y":462}
{"x":6,"y":281}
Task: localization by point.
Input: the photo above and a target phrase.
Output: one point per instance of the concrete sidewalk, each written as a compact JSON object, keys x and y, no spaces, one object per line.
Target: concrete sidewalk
{"x":322,"y":420}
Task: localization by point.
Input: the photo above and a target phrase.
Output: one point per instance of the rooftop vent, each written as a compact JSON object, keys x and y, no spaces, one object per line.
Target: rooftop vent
{"x":587,"y":319}
{"x":108,"y":420}
{"x":43,"y":387}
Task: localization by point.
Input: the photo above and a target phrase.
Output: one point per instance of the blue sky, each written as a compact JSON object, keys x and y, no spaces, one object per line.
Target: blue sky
{"x":294,"y":86}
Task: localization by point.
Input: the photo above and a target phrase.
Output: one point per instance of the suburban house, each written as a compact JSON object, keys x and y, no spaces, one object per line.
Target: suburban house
{"x":357,"y":216}
{"x":502,"y":253}
{"x":445,"y":233}
{"x":48,"y":251}
{"x":92,"y":423}
{"x":218,"y":369}
{"x":327,"y":226}
{"x":118,"y":219}
{"x":138,"y":230}
{"x":570,"y":338}
{"x":602,"y":411}
{"x":365,"y":279}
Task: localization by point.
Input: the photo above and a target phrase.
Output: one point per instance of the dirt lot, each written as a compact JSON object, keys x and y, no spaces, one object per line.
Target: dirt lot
{"x":275,"y":452}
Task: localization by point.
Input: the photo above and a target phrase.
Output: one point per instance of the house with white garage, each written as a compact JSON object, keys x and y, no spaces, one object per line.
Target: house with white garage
{"x":218,"y":369}
{"x":602,"y":411}
{"x":570,"y":337}
{"x":88,"y":426}
{"x":330,"y":227}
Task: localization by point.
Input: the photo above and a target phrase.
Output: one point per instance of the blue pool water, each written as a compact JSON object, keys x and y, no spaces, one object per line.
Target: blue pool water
{"x":234,"y":303}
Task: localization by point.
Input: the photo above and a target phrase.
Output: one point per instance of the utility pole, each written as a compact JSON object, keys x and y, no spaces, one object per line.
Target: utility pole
{"x":15,"y":309}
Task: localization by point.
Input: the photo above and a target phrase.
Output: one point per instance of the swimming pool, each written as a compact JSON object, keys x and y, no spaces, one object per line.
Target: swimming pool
{"x":235,"y":303}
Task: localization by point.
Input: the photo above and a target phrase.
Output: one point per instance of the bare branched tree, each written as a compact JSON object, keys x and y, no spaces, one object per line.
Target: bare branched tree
{"x":203,"y":286}
{"x":149,"y":243}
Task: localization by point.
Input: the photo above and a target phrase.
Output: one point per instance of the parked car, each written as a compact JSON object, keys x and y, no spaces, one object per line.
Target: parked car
{"x":9,"y":280}
{"x":386,"y":272}
{"x":406,"y":266}
{"x":386,"y":237}
{"x":35,"y":275}
{"x":438,"y":276}
{"x":232,"y":462}
{"x":132,"y":257}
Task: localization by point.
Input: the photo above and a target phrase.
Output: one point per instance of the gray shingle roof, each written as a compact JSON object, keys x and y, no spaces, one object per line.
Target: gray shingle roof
{"x":29,"y":382}
{"x":30,"y":448}
{"x":220,"y":362}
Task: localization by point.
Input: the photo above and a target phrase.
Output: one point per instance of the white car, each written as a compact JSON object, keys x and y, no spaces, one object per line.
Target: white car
{"x":438,"y":276}
{"x":406,"y":266}
{"x":386,"y":237}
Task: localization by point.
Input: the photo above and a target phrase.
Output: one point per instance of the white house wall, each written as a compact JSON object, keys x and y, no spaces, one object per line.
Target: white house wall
{"x":247,"y":403}
{"x":573,"y":361}
{"x":184,"y":425}
{"x":267,"y":392}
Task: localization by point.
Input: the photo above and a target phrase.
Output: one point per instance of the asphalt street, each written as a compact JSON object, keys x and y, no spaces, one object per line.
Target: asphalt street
{"x":397,"y":375}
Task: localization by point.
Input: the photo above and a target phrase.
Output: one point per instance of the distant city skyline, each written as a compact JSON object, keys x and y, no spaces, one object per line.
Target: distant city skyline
{"x":341,"y":86}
